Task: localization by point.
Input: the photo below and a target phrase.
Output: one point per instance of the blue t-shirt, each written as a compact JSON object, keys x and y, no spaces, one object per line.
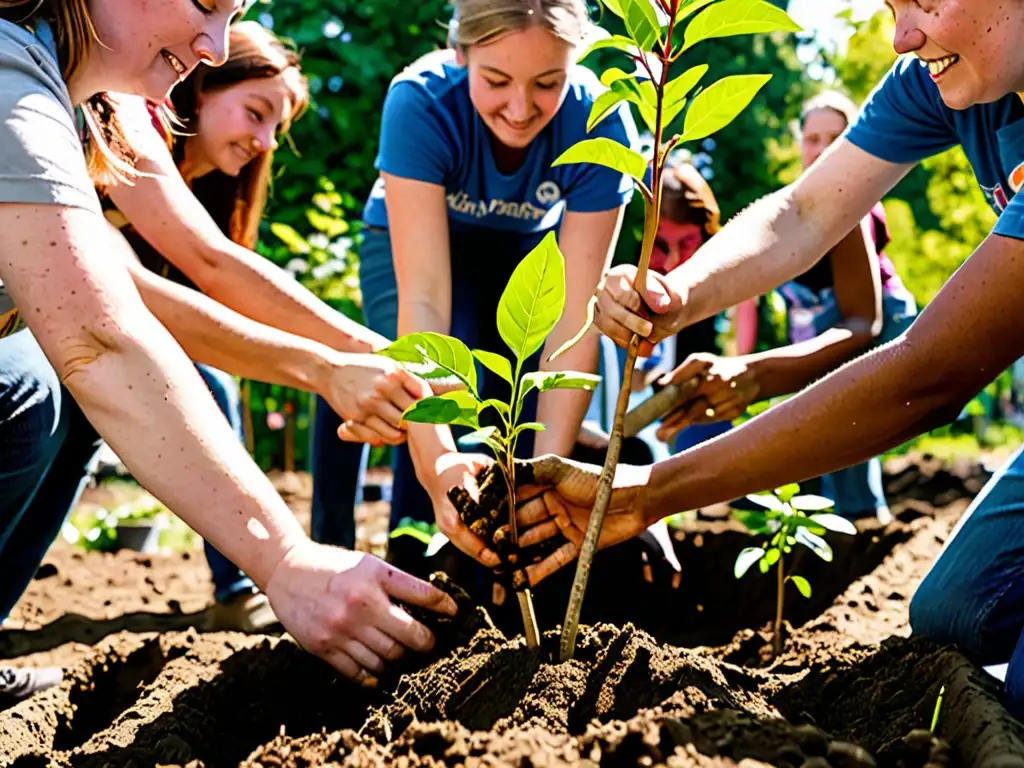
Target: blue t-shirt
{"x":904,"y":121}
{"x":431,"y":132}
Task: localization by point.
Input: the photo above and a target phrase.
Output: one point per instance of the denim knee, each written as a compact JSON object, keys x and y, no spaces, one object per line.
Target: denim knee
{"x":938,"y":613}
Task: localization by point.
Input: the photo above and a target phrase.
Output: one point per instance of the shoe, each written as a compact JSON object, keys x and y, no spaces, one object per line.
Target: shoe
{"x":247,"y":612}
{"x":17,"y":685}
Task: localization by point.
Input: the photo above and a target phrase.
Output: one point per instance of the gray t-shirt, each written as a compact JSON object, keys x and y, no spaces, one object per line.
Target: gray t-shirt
{"x":41,"y":156}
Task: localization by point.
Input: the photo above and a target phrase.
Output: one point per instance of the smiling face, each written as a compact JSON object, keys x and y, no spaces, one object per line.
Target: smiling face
{"x":820,"y":128}
{"x":971,"y":47}
{"x":149,"y":46}
{"x":239,"y":122}
{"x":517,"y":83}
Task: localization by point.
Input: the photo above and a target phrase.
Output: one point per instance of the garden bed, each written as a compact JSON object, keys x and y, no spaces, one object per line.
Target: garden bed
{"x":690,"y":687}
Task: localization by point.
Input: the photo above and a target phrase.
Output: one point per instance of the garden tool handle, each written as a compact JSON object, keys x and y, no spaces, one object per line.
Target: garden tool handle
{"x":658,"y":406}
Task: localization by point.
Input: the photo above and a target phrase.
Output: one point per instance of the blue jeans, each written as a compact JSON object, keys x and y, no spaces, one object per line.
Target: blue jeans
{"x":47,"y":450}
{"x":228,"y":579}
{"x":338,"y":472}
{"x":974,"y":593}
{"x":480,"y":267}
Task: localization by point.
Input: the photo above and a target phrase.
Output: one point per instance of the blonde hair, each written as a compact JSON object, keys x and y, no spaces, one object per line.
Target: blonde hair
{"x":835,"y":101}
{"x":477,"y":22}
{"x":109,"y":154}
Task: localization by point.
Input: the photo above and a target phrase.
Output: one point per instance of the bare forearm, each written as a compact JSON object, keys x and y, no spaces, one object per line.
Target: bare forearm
{"x":851,"y":415}
{"x":562,"y":410}
{"x":213,"y":334}
{"x":422,"y":316}
{"x":145,"y":398}
{"x":788,"y":369}
{"x":258,"y":289}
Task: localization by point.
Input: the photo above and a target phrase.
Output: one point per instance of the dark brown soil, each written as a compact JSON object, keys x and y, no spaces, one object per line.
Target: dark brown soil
{"x":850,"y":690}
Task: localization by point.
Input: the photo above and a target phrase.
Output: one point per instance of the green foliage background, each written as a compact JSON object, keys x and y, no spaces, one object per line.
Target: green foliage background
{"x":351,"y":50}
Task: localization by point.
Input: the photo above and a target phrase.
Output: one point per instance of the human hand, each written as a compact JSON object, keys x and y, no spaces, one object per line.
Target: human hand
{"x":371,"y":392}
{"x":622,"y":311}
{"x":338,"y":605}
{"x":459,"y":470}
{"x":727,"y":386}
{"x":561,"y":494}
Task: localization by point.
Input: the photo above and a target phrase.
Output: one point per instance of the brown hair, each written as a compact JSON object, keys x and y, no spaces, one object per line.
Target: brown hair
{"x":237,"y":203}
{"x":686,"y":197}
{"x":477,"y":22}
{"x":109,"y":154}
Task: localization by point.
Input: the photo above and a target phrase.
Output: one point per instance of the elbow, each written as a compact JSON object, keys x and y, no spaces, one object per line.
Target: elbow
{"x":937,"y":394}
{"x":82,"y":353}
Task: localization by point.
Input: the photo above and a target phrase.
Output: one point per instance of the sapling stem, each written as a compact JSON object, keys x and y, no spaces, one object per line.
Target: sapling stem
{"x":781,"y":569}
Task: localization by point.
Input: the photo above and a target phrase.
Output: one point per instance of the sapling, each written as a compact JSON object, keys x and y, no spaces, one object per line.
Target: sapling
{"x":653,"y":45}
{"x":530,"y":306}
{"x":789,"y":519}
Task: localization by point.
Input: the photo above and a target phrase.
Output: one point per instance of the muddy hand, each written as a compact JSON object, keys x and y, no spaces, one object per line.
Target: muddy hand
{"x":457,"y":476}
{"x":560,"y":495}
{"x":371,"y":393}
{"x":338,"y":605}
{"x":622,"y":311}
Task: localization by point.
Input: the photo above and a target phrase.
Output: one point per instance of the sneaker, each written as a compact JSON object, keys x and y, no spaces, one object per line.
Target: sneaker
{"x":16,"y":685}
{"x":247,"y":612}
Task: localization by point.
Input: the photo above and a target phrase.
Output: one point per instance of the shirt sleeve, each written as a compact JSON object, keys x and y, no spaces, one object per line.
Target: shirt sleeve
{"x":904,"y":120}
{"x":414,"y":140}
{"x":595,"y":187}
{"x":41,"y":156}
{"x":1011,"y":221}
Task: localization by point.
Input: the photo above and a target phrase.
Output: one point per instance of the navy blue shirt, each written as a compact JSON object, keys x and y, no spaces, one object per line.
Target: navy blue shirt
{"x":431,"y":132}
{"x":904,"y":121}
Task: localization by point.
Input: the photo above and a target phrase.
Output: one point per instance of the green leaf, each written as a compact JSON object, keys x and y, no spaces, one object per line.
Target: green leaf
{"x":755,"y":522}
{"x":494,"y":363}
{"x":688,"y":7}
{"x":469,"y":407}
{"x":501,"y":407}
{"x":787,"y":492}
{"x":613,"y":75}
{"x":532,"y":302}
{"x":835,"y":523}
{"x":615,"y":6}
{"x":802,"y":585}
{"x":433,"y":410}
{"x":296,"y":243}
{"x":548,"y":380}
{"x":719,"y":104}
{"x":808,"y":502}
{"x":641,"y":22}
{"x":763,"y":565}
{"x":407,"y":530}
{"x":772,"y":556}
{"x":606,"y":152}
{"x":449,"y":354}
{"x":737,"y":17}
{"x":766,"y":500}
{"x":618,"y":42}
{"x":482,"y":435}
{"x":533,"y":426}
{"x":604,"y":105}
{"x":745,"y":559}
{"x":815,"y":543}
{"x":678,"y":89}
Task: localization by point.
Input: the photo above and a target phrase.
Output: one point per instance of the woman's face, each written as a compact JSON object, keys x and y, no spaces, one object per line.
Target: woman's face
{"x":821,"y":127}
{"x":239,"y":122}
{"x":674,"y":244}
{"x":518,"y":82}
{"x":971,"y":47}
{"x":149,"y":46}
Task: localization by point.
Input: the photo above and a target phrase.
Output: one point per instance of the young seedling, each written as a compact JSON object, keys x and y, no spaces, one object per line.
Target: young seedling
{"x":789,"y":519}
{"x":938,"y":710}
{"x":652,"y":43}
{"x":529,"y":308}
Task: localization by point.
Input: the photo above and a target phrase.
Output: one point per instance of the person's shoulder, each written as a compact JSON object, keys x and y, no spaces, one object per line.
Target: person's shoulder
{"x":435,"y":76}
{"x":26,"y":65}
{"x":584,"y":87}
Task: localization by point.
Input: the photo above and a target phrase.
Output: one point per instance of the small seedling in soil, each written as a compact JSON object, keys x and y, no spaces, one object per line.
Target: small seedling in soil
{"x":789,"y":519}
{"x":529,"y":308}
{"x":938,"y":710}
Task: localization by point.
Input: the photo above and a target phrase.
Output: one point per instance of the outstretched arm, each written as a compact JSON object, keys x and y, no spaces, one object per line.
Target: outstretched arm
{"x":163,"y":210}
